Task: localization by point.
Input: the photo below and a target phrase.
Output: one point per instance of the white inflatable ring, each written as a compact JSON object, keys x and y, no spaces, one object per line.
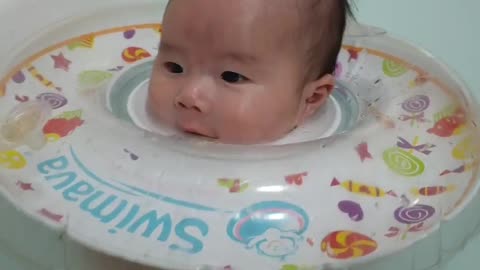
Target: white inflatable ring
{"x":346,"y":197}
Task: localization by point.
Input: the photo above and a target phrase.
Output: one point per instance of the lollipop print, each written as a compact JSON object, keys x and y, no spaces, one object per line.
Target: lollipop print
{"x":56,"y":101}
{"x":415,"y":214}
{"x":414,"y":217}
{"x":415,"y":105}
{"x":403,"y":163}
{"x":393,"y":69}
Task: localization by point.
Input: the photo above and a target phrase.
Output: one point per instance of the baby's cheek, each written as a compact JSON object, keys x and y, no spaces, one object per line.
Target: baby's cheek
{"x":160,"y":100}
{"x":257,"y":119}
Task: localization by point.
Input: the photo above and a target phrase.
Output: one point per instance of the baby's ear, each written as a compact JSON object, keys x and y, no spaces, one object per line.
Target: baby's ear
{"x":316,"y":93}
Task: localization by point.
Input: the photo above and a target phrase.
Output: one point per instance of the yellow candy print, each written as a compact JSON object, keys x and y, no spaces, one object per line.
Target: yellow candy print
{"x":52,"y":137}
{"x":467,"y":149}
{"x":12,"y":160}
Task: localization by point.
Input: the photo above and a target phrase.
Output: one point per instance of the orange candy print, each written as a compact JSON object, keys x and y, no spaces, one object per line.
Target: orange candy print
{"x":134,"y":54}
{"x":344,"y":245}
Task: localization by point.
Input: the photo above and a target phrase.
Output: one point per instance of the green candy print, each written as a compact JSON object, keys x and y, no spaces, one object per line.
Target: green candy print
{"x":92,"y":79}
{"x":403,"y":163}
{"x":295,"y":267}
{"x":393,"y":69}
{"x":70,"y":115}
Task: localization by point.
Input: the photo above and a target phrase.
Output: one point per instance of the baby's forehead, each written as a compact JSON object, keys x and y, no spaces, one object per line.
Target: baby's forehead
{"x":233,"y":19}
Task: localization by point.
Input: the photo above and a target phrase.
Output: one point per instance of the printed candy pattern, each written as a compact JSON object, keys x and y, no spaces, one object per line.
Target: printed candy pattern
{"x":344,"y":245}
{"x":362,"y":150}
{"x":403,"y":162}
{"x":19,"y":77}
{"x":134,"y":54}
{"x":393,"y":69}
{"x":415,"y":134}
{"x":60,"y":62}
{"x":449,"y":122}
{"x":416,"y":106}
{"x":233,"y":185}
{"x":129,"y":34}
{"x":425,"y":148}
{"x":41,"y":79}
{"x":63,"y":125}
{"x":93,"y":79}
{"x":467,"y":151}
{"x":414,"y":217}
{"x":12,"y":160}
{"x":432,"y":191}
{"x":56,"y":101}
{"x":296,"y":179}
{"x":352,"y":209}
{"x":297,"y":267}
{"x":87,"y":42}
{"x":362,"y":189}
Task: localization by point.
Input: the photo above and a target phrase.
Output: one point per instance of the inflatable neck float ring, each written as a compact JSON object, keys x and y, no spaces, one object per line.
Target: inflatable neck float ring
{"x":399,"y":158}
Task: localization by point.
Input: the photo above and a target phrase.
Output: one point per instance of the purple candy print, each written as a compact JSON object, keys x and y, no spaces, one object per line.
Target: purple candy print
{"x":415,"y":214}
{"x":353,"y":209}
{"x":416,"y":104}
{"x":19,"y":77}
{"x":56,"y":101}
{"x":129,"y":34}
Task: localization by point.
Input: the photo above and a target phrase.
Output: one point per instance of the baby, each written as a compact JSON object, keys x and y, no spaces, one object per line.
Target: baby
{"x":245,"y":71}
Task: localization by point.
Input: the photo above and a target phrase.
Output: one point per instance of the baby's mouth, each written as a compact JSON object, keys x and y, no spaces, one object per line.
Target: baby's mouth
{"x":199,"y":134}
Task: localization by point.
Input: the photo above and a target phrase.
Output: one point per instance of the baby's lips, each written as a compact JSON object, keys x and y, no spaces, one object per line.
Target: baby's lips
{"x":195,"y":131}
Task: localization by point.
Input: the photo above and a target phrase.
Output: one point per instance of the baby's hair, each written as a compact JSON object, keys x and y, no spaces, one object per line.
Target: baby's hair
{"x":325,"y":24}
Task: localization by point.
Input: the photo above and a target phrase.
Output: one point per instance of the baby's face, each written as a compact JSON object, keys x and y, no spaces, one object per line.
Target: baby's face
{"x":228,"y":70}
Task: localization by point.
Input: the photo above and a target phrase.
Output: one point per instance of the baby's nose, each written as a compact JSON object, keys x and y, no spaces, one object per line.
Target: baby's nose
{"x":193,"y":99}
{"x":187,"y":105}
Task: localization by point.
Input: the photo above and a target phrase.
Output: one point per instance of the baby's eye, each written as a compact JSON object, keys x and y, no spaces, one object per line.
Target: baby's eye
{"x":233,"y":77}
{"x":173,"y":67}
